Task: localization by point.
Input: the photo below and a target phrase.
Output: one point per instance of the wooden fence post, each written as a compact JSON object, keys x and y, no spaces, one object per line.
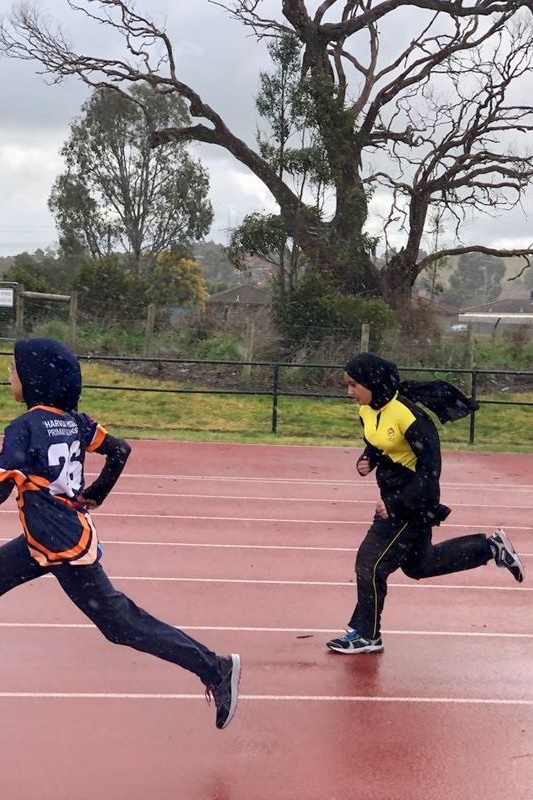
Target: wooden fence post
{"x":150,"y":327}
{"x":365,"y":337}
{"x":471,"y":346}
{"x":72,"y":318}
{"x":19,"y":313}
{"x":249,"y":347}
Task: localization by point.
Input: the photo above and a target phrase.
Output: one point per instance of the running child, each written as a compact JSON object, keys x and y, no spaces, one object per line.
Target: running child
{"x":402,"y":445}
{"x":43,"y":457}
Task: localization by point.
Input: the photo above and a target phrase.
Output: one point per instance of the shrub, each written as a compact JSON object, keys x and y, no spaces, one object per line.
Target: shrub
{"x":221,"y":346}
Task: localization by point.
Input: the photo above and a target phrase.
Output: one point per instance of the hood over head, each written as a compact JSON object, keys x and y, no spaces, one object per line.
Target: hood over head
{"x":49,"y":373}
{"x":381,"y":377}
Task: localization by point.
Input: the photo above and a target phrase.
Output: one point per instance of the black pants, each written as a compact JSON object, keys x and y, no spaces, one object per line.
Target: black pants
{"x":390,"y":545}
{"x":114,"y":614}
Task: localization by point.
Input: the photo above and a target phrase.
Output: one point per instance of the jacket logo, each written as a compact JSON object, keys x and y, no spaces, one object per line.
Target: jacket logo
{"x":390,"y":433}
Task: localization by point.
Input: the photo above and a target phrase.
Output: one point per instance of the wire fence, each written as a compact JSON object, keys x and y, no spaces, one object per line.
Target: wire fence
{"x":276,"y":380}
{"x":472,"y":381}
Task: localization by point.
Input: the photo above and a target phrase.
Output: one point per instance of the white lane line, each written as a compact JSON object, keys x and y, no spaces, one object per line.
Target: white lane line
{"x":107,"y":542}
{"x":282,"y":547}
{"x":271,"y":520}
{"x":238,"y":546}
{"x":255,"y":498}
{"x":236,"y":479}
{"x":260,"y":582}
{"x":250,"y":629}
{"x":488,"y":701}
{"x":227,"y":546}
{"x":310,"y":481}
{"x":245,"y":546}
{"x":216,"y":519}
{"x":256,"y":581}
{"x":280,"y":498}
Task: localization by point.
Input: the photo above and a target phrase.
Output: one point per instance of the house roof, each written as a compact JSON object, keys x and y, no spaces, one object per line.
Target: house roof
{"x":510,"y":305}
{"x":437,"y":308}
{"x":244,"y":294}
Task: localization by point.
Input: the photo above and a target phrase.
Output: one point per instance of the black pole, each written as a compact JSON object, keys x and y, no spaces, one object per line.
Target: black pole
{"x":473,"y":391}
{"x":275,"y":389}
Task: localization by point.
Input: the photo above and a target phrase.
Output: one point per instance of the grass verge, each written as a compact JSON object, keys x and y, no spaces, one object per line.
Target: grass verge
{"x":228,"y":417}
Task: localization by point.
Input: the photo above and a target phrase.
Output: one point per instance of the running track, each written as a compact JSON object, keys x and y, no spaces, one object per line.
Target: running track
{"x":250,"y":548}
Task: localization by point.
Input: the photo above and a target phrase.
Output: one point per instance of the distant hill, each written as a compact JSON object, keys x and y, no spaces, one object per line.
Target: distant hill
{"x":5,"y":263}
{"x":217,"y":268}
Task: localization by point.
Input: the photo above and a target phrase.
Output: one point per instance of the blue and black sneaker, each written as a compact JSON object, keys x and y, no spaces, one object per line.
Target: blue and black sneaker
{"x":352,"y":643}
{"x":225,"y":693}
{"x":505,"y":555}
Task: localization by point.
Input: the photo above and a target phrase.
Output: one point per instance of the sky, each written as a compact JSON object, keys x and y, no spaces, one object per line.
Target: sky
{"x":219,"y":59}
{"x":36,"y":117}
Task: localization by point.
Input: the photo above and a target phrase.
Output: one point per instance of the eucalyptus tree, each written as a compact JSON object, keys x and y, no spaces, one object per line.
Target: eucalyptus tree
{"x":292,"y":146}
{"x":119,"y":193}
{"x":415,"y":103}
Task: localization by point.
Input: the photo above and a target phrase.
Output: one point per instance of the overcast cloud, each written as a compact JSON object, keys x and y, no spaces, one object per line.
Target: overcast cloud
{"x":214,"y":54}
{"x":218,"y":58}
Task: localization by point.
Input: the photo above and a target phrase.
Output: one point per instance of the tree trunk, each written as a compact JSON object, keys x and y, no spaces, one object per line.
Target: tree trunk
{"x":397,"y":280}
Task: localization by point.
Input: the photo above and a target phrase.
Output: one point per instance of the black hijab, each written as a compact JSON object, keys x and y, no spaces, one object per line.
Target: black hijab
{"x":382,"y":378}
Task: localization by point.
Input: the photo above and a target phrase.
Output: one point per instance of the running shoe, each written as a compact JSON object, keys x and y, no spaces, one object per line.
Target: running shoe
{"x":225,"y":693}
{"x":505,"y":555}
{"x":352,"y":643}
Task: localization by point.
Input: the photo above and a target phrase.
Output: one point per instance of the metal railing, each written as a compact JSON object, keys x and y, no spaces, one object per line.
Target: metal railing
{"x":276,"y":390}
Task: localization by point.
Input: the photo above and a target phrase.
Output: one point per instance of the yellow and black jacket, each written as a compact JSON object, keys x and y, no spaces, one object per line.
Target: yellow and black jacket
{"x":402,"y":444}
{"x":402,"y":441}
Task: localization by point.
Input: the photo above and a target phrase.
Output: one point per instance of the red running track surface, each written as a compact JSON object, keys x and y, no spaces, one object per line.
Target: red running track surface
{"x":250,"y":548}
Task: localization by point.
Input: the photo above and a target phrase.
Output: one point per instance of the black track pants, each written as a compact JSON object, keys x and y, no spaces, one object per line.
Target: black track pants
{"x":114,"y":614}
{"x":390,"y":545}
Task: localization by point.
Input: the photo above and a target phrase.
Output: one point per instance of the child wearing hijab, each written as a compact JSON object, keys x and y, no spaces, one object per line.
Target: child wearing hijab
{"x":402,"y":445}
{"x":43,"y":457}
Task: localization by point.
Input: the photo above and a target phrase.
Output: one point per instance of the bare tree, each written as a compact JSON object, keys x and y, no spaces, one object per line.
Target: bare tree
{"x":433,"y":112}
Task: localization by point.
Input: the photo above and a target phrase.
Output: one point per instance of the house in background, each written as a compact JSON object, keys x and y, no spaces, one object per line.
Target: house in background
{"x":244,"y":309}
{"x":238,"y":304}
{"x":445,"y":316}
{"x":487,"y":317}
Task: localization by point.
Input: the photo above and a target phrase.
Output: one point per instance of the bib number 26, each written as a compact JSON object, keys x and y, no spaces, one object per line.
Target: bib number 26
{"x":69,"y":479}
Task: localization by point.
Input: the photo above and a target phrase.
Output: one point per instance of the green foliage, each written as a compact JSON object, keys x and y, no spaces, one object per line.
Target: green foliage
{"x":477,"y":279}
{"x":430,"y":278}
{"x":294,"y":149}
{"x":27,"y":278}
{"x":276,"y":93}
{"x":302,"y":378}
{"x":109,"y":290}
{"x":311,"y":143}
{"x":118,"y":192}
{"x":53,"y":329}
{"x":293,"y":145}
{"x":216,"y":266}
{"x":42,"y":271}
{"x":261,"y":235}
{"x":175,"y":281}
{"x":111,"y":339}
{"x":317,"y":310}
{"x":213,"y":287}
{"x":505,"y":353}
{"x":220,"y":346}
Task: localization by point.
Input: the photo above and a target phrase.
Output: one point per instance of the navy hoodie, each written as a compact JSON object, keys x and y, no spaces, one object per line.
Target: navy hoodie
{"x":50,"y":374}
{"x":43,"y":455}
